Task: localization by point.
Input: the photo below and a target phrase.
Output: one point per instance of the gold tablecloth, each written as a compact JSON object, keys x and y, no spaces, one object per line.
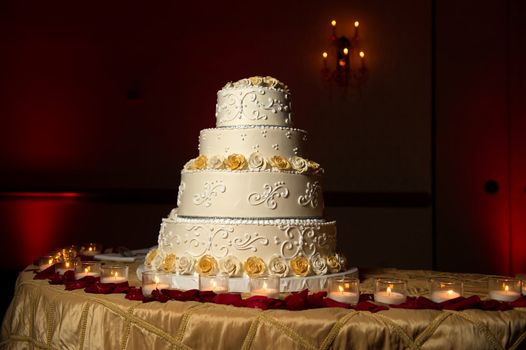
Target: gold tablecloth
{"x":48,"y":317}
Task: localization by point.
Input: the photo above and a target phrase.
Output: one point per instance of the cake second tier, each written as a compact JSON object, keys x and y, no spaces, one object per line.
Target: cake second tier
{"x":250,"y":194}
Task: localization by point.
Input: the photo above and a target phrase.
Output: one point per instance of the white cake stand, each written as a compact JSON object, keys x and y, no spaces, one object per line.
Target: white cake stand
{"x":241,"y":284}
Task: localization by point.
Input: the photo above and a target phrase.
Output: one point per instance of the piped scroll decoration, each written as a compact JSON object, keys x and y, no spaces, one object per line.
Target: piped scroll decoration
{"x":269,"y":195}
{"x":211,"y":191}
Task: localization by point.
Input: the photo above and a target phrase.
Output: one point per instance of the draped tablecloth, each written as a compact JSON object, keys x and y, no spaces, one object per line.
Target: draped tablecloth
{"x":48,"y":317}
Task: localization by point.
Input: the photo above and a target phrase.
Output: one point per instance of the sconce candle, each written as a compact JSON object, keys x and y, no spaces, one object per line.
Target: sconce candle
{"x":152,"y":280}
{"x":356,"y":25}
{"x":217,"y":284}
{"x":265,"y":286}
{"x":114,"y":274}
{"x":344,"y":289}
{"x":86,"y":269}
{"x":504,"y":289}
{"x":389,"y":291}
{"x":443,"y":289}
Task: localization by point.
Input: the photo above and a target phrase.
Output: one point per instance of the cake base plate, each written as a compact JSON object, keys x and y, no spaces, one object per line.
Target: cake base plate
{"x":241,"y":284}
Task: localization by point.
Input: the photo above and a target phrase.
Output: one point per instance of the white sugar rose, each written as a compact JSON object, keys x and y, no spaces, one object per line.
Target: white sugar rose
{"x":157,"y":261}
{"x":230,"y":265}
{"x":257,"y":162}
{"x":319,"y":264}
{"x":185,"y":265}
{"x":299,"y":164}
{"x":216,"y":162}
{"x":278,"y":266}
{"x":188,"y":165}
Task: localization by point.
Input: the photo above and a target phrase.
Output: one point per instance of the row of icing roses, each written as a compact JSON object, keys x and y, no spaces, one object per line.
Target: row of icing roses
{"x":254,"y":266}
{"x":255,"y":162}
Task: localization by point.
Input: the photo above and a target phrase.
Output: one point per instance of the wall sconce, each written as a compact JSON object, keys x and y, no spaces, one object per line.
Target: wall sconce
{"x":344,"y":54}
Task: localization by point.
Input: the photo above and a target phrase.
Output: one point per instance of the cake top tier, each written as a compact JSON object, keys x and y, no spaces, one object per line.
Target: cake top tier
{"x":254,"y":101}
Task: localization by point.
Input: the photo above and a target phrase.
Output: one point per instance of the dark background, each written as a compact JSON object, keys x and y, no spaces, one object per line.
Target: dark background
{"x":101,"y":104}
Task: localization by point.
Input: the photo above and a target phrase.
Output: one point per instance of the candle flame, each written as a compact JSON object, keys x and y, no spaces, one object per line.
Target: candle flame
{"x":86,"y":270}
{"x":333,"y":23}
{"x":356,"y":24}
{"x":345,"y":51}
{"x":90,"y":249}
{"x":340,"y":288}
{"x":156,"y":279}
{"x":67,"y":265}
{"x":450,"y":292}
{"x":506,"y":288}
{"x":115,"y":274}
{"x":341,"y":63}
{"x":214,"y":284}
{"x":50,"y":261}
{"x":362,"y":54}
{"x":389,"y":290}
{"x":324,"y":54}
{"x":264,"y":285}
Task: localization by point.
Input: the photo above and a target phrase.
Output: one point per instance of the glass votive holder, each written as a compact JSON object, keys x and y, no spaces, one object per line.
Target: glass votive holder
{"x":69,"y":253}
{"x":45,"y":262}
{"x":443,"y":289}
{"x":90,"y":249}
{"x":114,"y":274}
{"x":65,"y":265}
{"x":390,"y":291}
{"x":267,"y":286}
{"x":504,"y":289}
{"x":344,"y":289}
{"x":152,"y":280}
{"x":86,"y":269}
{"x":215,"y":283}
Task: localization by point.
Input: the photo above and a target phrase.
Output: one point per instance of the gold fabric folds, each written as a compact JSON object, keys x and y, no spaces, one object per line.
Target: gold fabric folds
{"x":48,"y":317}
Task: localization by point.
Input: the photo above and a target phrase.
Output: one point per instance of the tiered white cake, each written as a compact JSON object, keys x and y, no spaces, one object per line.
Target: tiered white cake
{"x":251,"y":203}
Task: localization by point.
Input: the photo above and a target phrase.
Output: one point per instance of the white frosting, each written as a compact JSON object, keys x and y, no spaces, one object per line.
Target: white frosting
{"x":269,"y":207}
{"x":253,"y":105}
{"x":195,"y":238}
{"x":264,"y":194}
{"x":269,"y":141}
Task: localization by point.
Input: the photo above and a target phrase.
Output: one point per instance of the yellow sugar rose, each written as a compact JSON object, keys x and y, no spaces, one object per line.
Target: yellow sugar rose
{"x":168,"y":264}
{"x":199,"y":163}
{"x":280,"y":163}
{"x":314,"y":167}
{"x":207,"y":265}
{"x":254,"y":266}
{"x":300,"y":265}
{"x":149,"y":257}
{"x":333,"y":263}
{"x":235,"y":162}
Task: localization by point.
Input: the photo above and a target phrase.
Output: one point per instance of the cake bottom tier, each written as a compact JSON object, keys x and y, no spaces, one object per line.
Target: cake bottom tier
{"x":238,"y":247}
{"x":242,"y":284}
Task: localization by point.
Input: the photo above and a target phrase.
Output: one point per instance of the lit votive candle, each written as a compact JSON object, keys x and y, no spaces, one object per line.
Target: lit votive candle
{"x":217,"y":284}
{"x":45,"y":262}
{"x":443,"y":289}
{"x":64,"y":266}
{"x":86,"y":269}
{"x":344,"y":289}
{"x":114,"y":274}
{"x":267,"y":286}
{"x":69,"y":253}
{"x":90,"y":249}
{"x":389,"y":291}
{"x":152,"y":280}
{"x":504,"y":289}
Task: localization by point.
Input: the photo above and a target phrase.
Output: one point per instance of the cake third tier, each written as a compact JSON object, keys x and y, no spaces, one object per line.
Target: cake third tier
{"x":250,"y":194}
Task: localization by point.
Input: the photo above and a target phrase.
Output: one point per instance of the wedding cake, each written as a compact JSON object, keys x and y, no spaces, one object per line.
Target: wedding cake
{"x":251,"y":203}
